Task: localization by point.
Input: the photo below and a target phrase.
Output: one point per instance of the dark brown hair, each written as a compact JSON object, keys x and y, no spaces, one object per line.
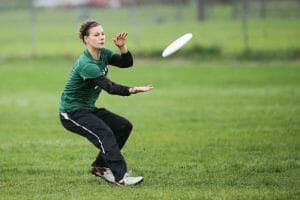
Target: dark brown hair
{"x":85,"y":27}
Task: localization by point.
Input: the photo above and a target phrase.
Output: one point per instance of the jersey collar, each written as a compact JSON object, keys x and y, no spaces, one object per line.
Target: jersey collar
{"x":87,"y":53}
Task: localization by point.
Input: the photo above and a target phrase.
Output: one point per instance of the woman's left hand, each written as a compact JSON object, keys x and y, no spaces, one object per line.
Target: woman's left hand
{"x":120,"y":39}
{"x":139,"y":89}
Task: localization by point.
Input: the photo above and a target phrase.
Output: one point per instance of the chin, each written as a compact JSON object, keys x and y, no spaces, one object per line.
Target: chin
{"x":98,"y":46}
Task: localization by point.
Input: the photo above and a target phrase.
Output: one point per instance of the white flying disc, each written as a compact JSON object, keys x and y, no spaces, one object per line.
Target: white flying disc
{"x":177,"y":44}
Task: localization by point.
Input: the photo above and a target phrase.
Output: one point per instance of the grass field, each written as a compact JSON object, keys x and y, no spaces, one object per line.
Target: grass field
{"x":209,"y":130}
{"x":215,"y":129}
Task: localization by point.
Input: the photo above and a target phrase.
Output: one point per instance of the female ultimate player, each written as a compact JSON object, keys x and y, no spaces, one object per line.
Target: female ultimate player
{"x":78,"y":113}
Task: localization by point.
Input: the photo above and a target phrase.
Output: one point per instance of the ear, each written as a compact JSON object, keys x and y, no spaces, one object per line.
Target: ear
{"x":85,"y":38}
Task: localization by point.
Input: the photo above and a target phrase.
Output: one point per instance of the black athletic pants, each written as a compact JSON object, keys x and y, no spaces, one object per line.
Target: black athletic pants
{"x":106,"y":130}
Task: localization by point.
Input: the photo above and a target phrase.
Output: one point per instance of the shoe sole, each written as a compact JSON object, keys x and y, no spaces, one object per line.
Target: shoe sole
{"x":96,"y":175}
{"x":139,"y":182}
{"x":131,"y":184}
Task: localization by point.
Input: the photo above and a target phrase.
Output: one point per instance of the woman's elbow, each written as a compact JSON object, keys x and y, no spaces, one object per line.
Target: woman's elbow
{"x":130,"y":64}
{"x":127,"y":64}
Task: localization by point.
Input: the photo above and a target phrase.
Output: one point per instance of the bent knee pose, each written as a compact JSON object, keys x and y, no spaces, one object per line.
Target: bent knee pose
{"x":104,"y":129}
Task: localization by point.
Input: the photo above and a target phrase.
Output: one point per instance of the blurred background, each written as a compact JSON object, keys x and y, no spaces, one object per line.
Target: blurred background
{"x":230,"y":28}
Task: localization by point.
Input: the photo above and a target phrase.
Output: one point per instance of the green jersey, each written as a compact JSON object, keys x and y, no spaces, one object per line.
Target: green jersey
{"x":78,"y":92}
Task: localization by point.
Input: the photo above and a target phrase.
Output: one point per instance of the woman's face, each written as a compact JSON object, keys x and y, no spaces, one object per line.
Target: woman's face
{"x":96,"y":37}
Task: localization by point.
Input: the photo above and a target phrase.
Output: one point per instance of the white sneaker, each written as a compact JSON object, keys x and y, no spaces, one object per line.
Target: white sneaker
{"x":129,"y":180}
{"x":104,"y":173}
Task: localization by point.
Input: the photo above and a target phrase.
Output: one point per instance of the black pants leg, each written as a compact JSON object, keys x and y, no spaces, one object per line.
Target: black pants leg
{"x":120,"y":126}
{"x":89,"y":124}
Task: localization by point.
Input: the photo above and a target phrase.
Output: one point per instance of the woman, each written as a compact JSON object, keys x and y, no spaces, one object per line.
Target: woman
{"x":78,"y":113}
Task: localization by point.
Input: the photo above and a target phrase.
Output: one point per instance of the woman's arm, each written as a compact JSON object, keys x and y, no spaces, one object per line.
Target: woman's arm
{"x":117,"y":89}
{"x":111,"y":87}
{"x":123,"y":60}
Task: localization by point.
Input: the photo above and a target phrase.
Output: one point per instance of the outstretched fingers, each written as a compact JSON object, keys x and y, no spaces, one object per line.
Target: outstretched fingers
{"x":120,"y":39}
{"x":122,"y":35}
{"x":143,"y":88}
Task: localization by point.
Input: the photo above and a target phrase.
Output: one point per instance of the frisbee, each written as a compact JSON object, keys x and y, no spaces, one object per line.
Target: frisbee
{"x":177,"y":44}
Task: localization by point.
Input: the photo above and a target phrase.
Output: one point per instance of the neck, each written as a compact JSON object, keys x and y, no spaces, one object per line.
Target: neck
{"x":95,"y":53}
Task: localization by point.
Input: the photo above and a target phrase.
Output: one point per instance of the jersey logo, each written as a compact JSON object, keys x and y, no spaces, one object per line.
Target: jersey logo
{"x":105,"y":70}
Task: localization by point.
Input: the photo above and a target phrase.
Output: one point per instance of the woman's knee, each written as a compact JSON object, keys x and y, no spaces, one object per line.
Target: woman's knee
{"x":127,"y":127}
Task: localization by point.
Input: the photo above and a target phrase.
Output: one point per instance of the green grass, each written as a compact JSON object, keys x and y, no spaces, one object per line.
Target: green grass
{"x":56,"y":30}
{"x":209,"y":130}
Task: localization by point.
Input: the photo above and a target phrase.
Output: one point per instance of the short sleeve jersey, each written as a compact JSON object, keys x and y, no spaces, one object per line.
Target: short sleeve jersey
{"x":79,"y":92}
